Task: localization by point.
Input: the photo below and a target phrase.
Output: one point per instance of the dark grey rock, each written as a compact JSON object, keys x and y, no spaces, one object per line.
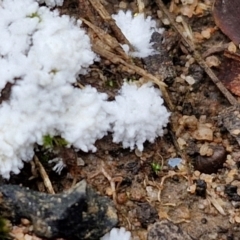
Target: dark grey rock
{"x":160,"y":63}
{"x":166,"y":230}
{"x":146,"y":214}
{"x":79,"y":213}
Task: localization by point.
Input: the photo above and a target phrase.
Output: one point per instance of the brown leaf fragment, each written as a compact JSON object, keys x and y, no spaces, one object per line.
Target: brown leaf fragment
{"x":227,"y":18}
{"x":229,"y":73}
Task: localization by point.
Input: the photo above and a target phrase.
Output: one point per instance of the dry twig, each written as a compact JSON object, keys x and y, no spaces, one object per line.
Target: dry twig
{"x":44,"y":175}
{"x":106,"y":38}
{"x":107,"y":18}
{"x":212,"y":199}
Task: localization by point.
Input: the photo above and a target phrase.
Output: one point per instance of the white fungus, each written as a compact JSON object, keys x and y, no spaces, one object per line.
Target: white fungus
{"x":138,"y":30}
{"x":137,"y":115}
{"x":52,"y":3}
{"x":117,"y":234}
{"x":41,"y":54}
{"x":59,"y":165}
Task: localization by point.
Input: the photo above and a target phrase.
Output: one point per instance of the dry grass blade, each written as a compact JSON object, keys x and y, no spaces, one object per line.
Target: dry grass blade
{"x":197,"y":56}
{"x":44,"y":175}
{"x":141,"y":6}
{"x":106,"y":17}
{"x":106,"y":38}
{"x":107,"y":51}
{"x":215,"y":203}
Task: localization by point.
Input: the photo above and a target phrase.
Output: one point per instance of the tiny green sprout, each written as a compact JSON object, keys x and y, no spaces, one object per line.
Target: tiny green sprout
{"x":156,"y":167}
{"x":48,"y":141}
{"x":130,"y":80}
{"x":111,"y":83}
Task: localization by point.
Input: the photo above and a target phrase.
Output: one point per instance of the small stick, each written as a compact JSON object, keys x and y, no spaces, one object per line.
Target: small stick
{"x":107,"y":39}
{"x":44,"y":175}
{"x":107,"y":18}
{"x":141,"y":6}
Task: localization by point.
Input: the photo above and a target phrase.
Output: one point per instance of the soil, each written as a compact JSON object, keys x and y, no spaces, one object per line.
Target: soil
{"x":194,"y":194}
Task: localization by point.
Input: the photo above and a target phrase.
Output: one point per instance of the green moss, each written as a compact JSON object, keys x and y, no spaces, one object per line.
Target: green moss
{"x":51,"y":142}
{"x":111,"y":83}
{"x":45,"y":157}
{"x":4,"y":229}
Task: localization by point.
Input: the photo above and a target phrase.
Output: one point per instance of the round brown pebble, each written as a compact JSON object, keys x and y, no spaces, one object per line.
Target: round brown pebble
{"x":211,"y":164}
{"x":122,"y":198}
{"x":25,"y":222}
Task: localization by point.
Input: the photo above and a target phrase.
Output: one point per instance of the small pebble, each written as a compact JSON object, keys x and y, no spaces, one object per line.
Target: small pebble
{"x":219,"y":189}
{"x":123,"y":5}
{"x":25,"y":221}
{"x":201,"y":206}
{"x":27,"y":237}
{"x":122,"y":198}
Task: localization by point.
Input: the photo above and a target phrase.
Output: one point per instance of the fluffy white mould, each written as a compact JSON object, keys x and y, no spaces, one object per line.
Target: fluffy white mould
{"x":117,"y":234}
{"x":52,"y":3}
{"x":138,"y":30}
{"x":137,"y":115}
{"x":59,"y":165}
{"x":85,"y":120}
{"x":42,"y":53}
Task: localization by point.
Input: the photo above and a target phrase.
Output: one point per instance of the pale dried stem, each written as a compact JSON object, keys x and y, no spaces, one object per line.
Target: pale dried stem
{"x":106,"y":38}
{"x":108,"y":18}
{"x":43,"y":173}
{"x":141,"y":6}
{"x":212,"y":199}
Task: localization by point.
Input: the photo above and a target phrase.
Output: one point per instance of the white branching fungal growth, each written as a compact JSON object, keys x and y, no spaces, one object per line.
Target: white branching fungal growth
{"x":41,"y":54}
